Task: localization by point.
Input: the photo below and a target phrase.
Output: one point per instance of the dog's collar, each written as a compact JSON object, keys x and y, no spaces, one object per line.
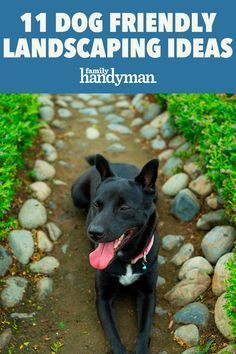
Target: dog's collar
{"x":144,"y":253}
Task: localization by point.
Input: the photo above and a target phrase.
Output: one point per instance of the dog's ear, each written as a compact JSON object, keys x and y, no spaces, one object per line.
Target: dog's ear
{"x":102,"y":165}
{"x":148,"y":175}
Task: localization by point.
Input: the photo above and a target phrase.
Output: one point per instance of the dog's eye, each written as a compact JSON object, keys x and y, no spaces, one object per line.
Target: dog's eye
{"x":124,"y":207}
{"x":97,"y":205}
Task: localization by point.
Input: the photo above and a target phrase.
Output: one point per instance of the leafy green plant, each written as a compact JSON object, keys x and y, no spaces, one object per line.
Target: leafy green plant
{"x":18,"y":127}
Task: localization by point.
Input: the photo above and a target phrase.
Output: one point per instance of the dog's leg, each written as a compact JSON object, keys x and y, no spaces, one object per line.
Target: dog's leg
{"x":107,"y":289}
{"x":146,"y":300}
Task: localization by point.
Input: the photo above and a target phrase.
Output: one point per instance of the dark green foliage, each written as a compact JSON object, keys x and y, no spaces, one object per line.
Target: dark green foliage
{"x":18,"y":127}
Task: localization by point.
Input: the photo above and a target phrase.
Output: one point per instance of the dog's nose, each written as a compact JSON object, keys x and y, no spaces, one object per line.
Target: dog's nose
{"x":96,"y":231}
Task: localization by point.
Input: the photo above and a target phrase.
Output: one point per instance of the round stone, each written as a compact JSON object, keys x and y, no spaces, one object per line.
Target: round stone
{"x":171,"y":165}
{"x":188,"y":334}
{"x":158,"y":144}
{"x":148,"y":132}
{"x":119,"y":128}
{"x":40,"y":190}
{"x":221,"y":319}
{"x":175,"y":184}
{"x":168,"y":130}
{"x":54,"y":231}
{"x":5,"y":261}
{"x":43,"y":170}
{"x":92,"y":133}
{"x":22,"y":244}
{"x":201,"y":185}
{"x":47,"y":136}
{"x":211,"y":219}
{"x":151,"y":111}
{"x":50,"y":152}
{"x":185,"y":252}
{"x":46,"y":265}
{"x":112,"y":137}
{"x":137,"y":122}
{"x":47,"y":113}
{"x":160,"y":120}
{"x":117,"y":148}
{"x":44,"y":287}
{"x":32,"y":214}
{"x":14,"y":291}
{"x":44,"y":244}
{"x":221,"y":274}
{"x":185,"y":205}
{"x":89,"y":111}
{"x":5,"y":338}
{"x":195,"y":263}
{"x":177,"y":141}
{"x":64,"y":113}
{"x":195,"y":313}
{"x":169,"y":242}
{"x":114,"y":118}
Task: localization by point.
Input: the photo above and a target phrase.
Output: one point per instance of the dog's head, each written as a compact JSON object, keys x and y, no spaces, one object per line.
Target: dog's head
{"x":120,"y":209}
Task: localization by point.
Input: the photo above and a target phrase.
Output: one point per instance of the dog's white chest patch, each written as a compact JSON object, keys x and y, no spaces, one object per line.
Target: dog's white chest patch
{"x":129,"y":277}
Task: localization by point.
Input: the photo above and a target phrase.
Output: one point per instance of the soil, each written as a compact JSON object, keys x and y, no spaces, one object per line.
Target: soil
{"x":67,"y":322}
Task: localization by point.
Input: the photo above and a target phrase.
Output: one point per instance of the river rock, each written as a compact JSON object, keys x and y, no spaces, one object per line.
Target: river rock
{"x":47,"y":113}
{"x":95,"y":103}
{"x":106,"y":109}
{"x":221,"y":274}
{"x":22,"y":244}
{"x":46,"y":265}
{"x":160,"y":120}
{"x":114,"y":118}
{"x":5,"y":338}
{"x":137,"y":122}
{"x":112,"y":137}
{"x":84,"y":97}
{"x":66,"y":98}
{"x":40,"y":190}
{"x":44,"y":244}
{"x":106,"y":97}
{"x":211,"y":219}
{"x":160,"y":311}
{"x":230,"y":349}
{"x":54,"y":231}
{"x":171,"y":165}
{"x":14,"y":291}
{"x":32,"y":214}
{"x":89,"y":111}
{"x":201,"y":185}
{"x":59,"y":124}
{"x":127,"y":113}
{"x":77,"y":104}
{"x":170,"y":242}
{"x":158,"y":144}
{"x":168,"y":130}
{"x":188,"y":334}
{"x":160,"y":281}
{"x":175,"y":184}
{"x":165,"y":155}
{"x":50,"y":152}
{"x":123,"y":104}
{"x":148,"y":132}
{"x":195,"y":263}
{"x":119,"y":128}
{"x":217,"y":242}
{"x":118,"y":148}
{"x":213,"y":201}
{"x":5,"y":261}
{"x":47,"y":135}
{"x":185,"y":252}
{"x":151,"y":111}
{"x":161,"y":260}
{"x":195,"y":313}
{"x":184,"y":147}
{"x":44,"y":287}
{"x":137,"y":99}
{"x":43,"y":170}
{"x":92,"y":133}
{"x":44,"y":100}
{"x":61,"y":103}
{"x":177,"y":141}
{"x":192,"y":169}
{"x":185,"y":205}
{"x":221,"y":319}
{"x":194,"y":283}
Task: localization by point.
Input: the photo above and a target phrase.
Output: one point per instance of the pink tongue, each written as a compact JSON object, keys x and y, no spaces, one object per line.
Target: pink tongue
{"x":102,"y":255}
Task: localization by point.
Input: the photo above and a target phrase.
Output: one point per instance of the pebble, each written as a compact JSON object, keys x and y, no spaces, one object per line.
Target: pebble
{"x":137,"y":122}
{"x":5,"y":261}
{"x":172,"y":164}
{"x":127,"y":114}
{"x":161,"y":260}
{"x":95,"y":103}
{"x":221,"y":319}
{"x":46,"y":265}
{"x":185,"y":205}
{"x":201,"y":185}
{"x":61,"y":103}
{"x":5,"y":338}
{"x":119,"y":128}
{"x":84,"y":97}
{"x":118,"y":148}
{"x":230,"y":349}
{"x":192,"y":169}
{"x":148,"y":132}
{"x":194,"y":313}
{"x":184,"y":147}
{"x":43,"y":170}
{"x":114,"y":118}
{"x":77,"y":104}
{"x":175,"y":184}
{"x":218,"y":242}
{"x":112,"y":137}
{"x":92,"y":133}
{"x":165,"y":155}
{"x":211,"y":219}
{"x":188,"y":334}
{"x":65,"y":98}
{"x":47,"y":113}
{"x":60,"y":144}
{"x":64,"y":113}
{"x":221,"y":274}
{"x":160,"y":311}
{"x":32,"y":214}
{"x":136,"y":99}
{"x":160,"y":281}
{"x":89,"y":111}
{"x":45,"y":101}
{"x":170,"y":242}
{"x":47,"y":135}
{"x":22,"y":244}
{"x":50,"y":152}
{"x":123,"y":104}
{"x":168,"y":130}
{"x":44,"y":244}
{"x":160,"y":120}
{"x":195,"y":263}
{"x":40,"y":190}
{"x":22,"y":316}
{"x":44,"y":287}
{"x":151,"y":111}
{"x":177,"y":141}
{"x":14,"y":291}
{"x":213,"y":201}
{"x":158,"y":144}
{"x":64,"y":248}
{"x":185,"y":252}
{"x":59,"y":124}
{"x":58,"y":182}
{"x":106,"y":109}
{"x":195,"y":282}
{"x":54,"y":231}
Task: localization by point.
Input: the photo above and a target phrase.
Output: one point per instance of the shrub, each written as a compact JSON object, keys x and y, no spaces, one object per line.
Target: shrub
{"x":18,"y":127}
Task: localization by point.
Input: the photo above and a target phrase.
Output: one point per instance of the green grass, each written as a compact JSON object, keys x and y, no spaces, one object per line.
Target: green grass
{"x":208,"y":121}
{"x":18,"y":127}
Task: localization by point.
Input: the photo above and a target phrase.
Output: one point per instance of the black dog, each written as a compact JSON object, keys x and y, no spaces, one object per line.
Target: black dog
{"x":121,"y":222}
